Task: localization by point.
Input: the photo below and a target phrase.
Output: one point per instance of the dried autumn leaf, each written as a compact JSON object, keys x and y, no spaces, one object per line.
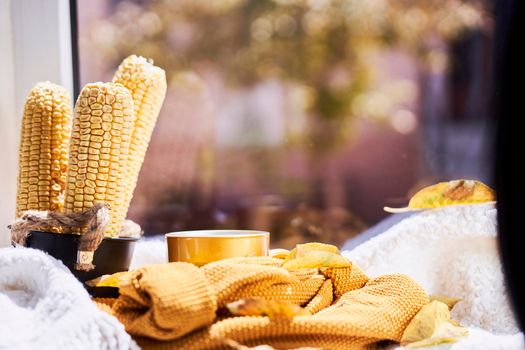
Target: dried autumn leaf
{"x":279,"y":253}
{"x":448,"y":193}
{"x":449,"y":301}
{"x":314,"y":255}
{"x":301,"y":250}
{"x":106,"y":280}
{"x":432,"y":325}
{"x":316,"y":259}
{"x":255,"y":306}
{"x":447,"y":333}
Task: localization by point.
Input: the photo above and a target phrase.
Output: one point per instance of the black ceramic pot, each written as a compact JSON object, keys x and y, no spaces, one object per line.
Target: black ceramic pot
{"x":113,"y":254}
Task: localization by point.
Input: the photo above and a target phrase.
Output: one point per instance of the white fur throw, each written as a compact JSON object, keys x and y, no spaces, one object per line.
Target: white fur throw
{"x":451,"y":251}
{"x":42,"y":306}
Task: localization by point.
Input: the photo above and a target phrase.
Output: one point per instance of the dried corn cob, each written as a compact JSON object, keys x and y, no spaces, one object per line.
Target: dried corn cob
{"x":147,"y":84}
{"x":44,"y":143}
{"x":102,"y":129}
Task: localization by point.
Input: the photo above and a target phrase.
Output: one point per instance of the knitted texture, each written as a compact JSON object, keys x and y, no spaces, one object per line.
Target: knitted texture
{"x":161,"y":304}
{"x":105,"y":304}
{"x":323,"y":298}
{"x":379,"y":311}
{"x":165,"y":301}
{"x":345,"y":280}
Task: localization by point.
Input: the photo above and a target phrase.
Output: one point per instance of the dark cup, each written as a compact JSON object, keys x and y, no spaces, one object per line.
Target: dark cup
{"x":113,"y":254}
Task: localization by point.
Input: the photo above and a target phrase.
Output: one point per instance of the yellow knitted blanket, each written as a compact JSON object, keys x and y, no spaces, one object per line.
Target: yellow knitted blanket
{"x":181,"y":306}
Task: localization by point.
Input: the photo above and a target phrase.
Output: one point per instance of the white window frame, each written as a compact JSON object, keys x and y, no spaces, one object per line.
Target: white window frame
{"x":35,"y":45}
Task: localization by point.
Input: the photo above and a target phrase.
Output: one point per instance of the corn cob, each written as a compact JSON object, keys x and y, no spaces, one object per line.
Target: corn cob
{"x":102,"y":129}
{"x":147,"y":84}
{"x":44,"y":142}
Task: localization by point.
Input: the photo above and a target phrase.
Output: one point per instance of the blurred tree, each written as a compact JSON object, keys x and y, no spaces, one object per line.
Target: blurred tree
{"x":319,"y":46}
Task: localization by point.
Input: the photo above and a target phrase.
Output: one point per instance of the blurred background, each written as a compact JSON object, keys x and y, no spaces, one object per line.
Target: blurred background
{"x":301,"y":117}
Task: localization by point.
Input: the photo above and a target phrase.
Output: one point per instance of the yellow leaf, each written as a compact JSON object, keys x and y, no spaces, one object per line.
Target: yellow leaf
{"x":107,"y":280}
{"x":314,"y":255}
{"x":449,"y":193}
{"x":454,"y":323}
{"x":303,"y":249}
{"x":316,"y":259}
{"x":279,"y":253}
{"x":449,"y":301}
{"x":255,"y":306}
{"x":432,"y":325}
{"x":446,"y":333}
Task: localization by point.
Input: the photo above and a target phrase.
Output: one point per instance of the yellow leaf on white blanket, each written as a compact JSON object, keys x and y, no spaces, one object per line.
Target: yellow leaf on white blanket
{"x":446,"y":333}
{"x":432,"y":325}
{"x":448,"y":193}
{"x":449,"y":301}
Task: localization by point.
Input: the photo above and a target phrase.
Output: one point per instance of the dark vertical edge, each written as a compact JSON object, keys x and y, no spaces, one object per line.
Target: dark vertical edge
{"x":510,"y":147}
{"x":73,"y":15}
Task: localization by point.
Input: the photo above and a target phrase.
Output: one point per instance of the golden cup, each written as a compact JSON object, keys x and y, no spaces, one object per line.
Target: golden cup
{"x":204,"y":246}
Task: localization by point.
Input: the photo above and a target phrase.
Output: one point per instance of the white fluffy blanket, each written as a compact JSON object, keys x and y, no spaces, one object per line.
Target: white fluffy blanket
{"x":42,"y":306}
{"x":451,"y":251}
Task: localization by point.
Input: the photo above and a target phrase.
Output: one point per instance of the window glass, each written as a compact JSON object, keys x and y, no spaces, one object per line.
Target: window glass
{"x":300,"y":117}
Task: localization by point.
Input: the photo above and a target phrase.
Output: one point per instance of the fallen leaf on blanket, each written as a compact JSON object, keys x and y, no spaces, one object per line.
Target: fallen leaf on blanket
{"x":447,"y":333}
{"x":255,"y":306}
{"x":432,"y":325}
{"x":449,"y":301}
{"x":279,"y":253}
{"x":107,"y":280}
{"x":449,"y":193}
{"x":313,"y":255}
